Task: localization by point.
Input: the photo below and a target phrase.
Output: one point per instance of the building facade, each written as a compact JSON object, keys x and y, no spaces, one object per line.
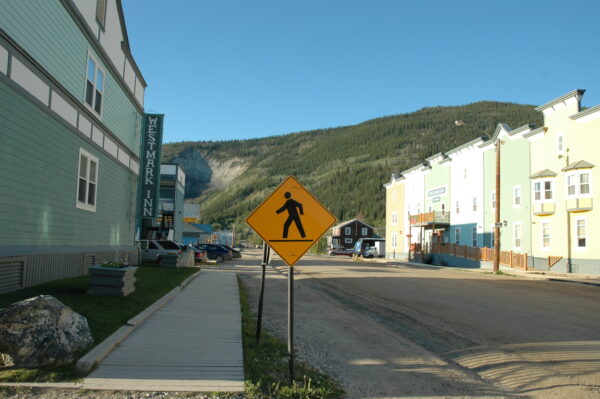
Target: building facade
{"x":345,"y":234}
{"x":564,"y":161}
{"x":71,"y":100}
{"x":171,"y":207}
{"x":547,"y":216}
{"x":394,"y":219}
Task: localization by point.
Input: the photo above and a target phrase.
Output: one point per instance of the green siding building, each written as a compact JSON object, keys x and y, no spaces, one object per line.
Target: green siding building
{"x":71,"y":101}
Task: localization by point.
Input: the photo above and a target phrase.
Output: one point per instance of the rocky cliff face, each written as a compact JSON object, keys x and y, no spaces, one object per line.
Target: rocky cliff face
{"x":198,"y":173}
{"x":203,"y":173}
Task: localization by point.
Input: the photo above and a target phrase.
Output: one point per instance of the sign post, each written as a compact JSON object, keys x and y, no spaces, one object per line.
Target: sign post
{"x":290,"y":221}
{"x":266,"y":259}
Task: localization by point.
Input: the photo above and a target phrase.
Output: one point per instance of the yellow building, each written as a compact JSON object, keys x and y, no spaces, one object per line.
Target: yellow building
{"x":394,"y":219}
{"x":565,"y":162}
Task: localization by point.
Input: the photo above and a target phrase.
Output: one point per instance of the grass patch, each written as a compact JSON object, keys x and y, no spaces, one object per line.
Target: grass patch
{"x":266,"y":366}
{"x":105,"y":314}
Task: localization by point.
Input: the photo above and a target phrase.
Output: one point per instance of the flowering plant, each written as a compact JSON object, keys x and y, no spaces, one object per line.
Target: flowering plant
{"x":114,"y":265}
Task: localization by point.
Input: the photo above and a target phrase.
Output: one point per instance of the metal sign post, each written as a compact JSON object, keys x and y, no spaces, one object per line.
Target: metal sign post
{"x":291,"y":324}
{"x":266,"y":258}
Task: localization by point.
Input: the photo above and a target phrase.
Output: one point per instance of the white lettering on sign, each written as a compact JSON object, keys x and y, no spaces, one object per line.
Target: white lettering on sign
{"x":151,"y":157}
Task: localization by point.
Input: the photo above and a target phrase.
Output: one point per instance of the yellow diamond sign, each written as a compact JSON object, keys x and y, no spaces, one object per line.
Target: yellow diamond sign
{"x":290,"y":220}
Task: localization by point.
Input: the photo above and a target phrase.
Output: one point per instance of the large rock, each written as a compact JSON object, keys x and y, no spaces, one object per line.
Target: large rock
{"x":41,"y":331}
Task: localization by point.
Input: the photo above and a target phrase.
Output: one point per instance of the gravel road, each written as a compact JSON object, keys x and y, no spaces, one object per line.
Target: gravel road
{"x":389,"y":332}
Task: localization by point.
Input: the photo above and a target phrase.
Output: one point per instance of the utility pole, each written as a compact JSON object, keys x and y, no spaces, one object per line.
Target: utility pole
{"x":497,"y":218}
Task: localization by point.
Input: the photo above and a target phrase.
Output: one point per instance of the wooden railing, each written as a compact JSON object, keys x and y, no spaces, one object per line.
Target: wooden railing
{"x":430,"y":217}
{"x":507,"y":258}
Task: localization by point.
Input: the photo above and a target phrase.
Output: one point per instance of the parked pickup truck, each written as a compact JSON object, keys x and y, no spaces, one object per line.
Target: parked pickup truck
{"x":370,"y":247}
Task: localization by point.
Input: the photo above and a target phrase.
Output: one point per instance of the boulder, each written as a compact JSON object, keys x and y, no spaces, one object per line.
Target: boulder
{"x":41,"y":331}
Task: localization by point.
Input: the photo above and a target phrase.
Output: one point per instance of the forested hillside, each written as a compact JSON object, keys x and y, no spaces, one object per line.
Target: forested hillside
{"x":344,"y":167}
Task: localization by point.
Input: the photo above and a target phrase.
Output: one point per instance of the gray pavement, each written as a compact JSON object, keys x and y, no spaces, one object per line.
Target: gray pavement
{"x":193,"y":343}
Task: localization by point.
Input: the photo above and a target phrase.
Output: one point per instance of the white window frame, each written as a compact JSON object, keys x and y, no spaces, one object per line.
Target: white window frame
{"x":493,"y":198}
{"x":474,"y":204}
{"x":364,"y":231}
{"x":394,"y":217}
{"x":576,"y":235}
{"x":335,"y":242}
{"x":545,"y":226}
{"x":542,"y":191}
{"x":94,"y":86}
{"x":347,"y":240}
{"x":394,"y":240}
{"x":347,"y":231}
{"x":457,"y":235}
{"x":517,"y":197}
{"x":85,"y":204}
{"x":517,"y":229}
{"x":576,"y":175}
{"x":457,"y":207}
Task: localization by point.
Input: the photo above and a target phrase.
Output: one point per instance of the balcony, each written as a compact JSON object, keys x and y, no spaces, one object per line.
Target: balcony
{"x":579,"y":204}
{"x":544,"y":208}
{"x":430,"y":219}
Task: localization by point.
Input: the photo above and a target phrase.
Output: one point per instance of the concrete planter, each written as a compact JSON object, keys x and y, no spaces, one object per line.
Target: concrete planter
{"x":111,"y":281}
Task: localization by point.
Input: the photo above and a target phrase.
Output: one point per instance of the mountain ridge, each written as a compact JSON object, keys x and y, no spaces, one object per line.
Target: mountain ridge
{"x":345,"y":167}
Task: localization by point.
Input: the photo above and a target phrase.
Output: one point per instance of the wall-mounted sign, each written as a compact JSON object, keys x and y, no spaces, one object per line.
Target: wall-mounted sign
{"x":436,"y":191}
{"x":150,"y":170}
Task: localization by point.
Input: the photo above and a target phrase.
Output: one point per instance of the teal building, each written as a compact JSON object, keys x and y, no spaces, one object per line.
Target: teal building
{"x":515,"y":193}
{"x":71,"y":101}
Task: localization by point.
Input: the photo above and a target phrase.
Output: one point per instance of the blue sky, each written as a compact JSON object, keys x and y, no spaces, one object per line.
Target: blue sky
{"x":224,"y":70}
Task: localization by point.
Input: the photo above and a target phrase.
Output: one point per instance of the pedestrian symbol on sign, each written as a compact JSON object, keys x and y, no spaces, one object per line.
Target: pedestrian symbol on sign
{"x":292,"y":207}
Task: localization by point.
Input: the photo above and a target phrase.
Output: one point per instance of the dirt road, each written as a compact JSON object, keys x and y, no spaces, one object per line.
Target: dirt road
{"x":407,"y":331}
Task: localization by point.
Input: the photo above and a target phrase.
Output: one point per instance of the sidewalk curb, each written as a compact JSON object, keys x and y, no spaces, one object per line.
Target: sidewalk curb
{"x":94,"y":356}
{"x":574,"y":279}
{"x":87,"y":362}
{"x":64,"y":385}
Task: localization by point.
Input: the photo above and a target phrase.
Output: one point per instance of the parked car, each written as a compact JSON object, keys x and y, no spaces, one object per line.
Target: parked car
{"x":200,"y":255}
{"x":152,"y":250}
{"x":215,"y":252}
{"x":235,"y":252}
{"x":341,"y":251}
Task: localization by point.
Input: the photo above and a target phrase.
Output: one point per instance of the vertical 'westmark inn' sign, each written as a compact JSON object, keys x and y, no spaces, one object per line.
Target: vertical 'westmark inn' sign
{"x":150,"y":171}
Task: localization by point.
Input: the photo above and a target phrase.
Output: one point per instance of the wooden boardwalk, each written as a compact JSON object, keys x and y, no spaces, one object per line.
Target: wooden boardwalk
{"x":193,"y":343}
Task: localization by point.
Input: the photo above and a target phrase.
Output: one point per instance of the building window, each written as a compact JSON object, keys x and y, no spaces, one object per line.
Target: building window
{"x":394,"y":218}
{"x":474,"y":236}
{"x":94,"y":87}
{"x":394,"y":240}
{"x":101,"y":12}
{"x":87,"y":181}
{"x":517,"y":197}
{"x":542,"y":191}
{"x":474,"y":204}
{"x":457,"y":207}
{"x":560,"y":144}
{"x":364,"y":231}
{"x":493,"y":200}
{"x":546,"y":235}
{"x":517,"y":235}
{"x":581,"y":240}
{"x":347,"y":231}
{"x":492,"y":236}
{"x":348,"y":240}
{"x":579,"y":184}
{"x":335,"y":243}
{"x":457,"y":235}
